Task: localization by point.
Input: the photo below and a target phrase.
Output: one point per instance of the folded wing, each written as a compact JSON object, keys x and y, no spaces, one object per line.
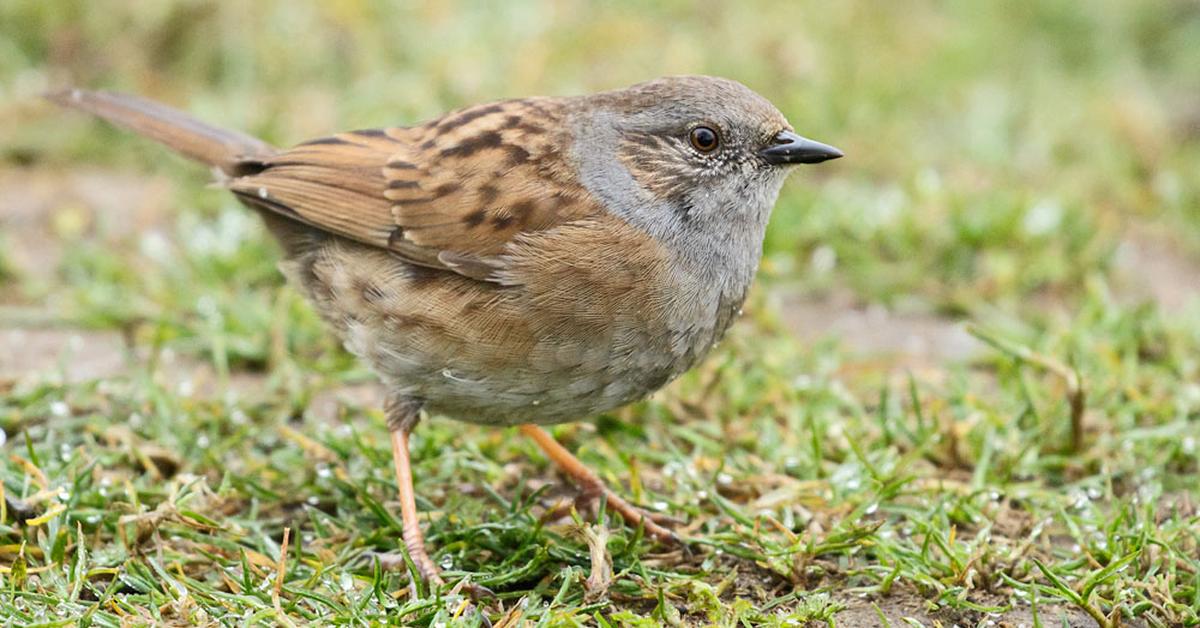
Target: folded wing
{"x":450,"y":194}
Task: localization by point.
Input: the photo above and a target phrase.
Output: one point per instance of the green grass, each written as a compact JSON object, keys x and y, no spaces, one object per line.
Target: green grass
{"x":999,"y":162}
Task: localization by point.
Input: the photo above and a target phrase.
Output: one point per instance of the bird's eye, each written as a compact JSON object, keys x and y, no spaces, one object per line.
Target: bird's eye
{"x":704,"y":139}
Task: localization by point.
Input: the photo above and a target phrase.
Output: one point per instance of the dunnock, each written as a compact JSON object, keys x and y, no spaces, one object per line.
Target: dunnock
{"x":521,"y":262}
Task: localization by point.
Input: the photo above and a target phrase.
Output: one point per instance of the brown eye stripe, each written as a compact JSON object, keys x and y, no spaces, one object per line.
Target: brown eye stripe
{"x":645,"y":139}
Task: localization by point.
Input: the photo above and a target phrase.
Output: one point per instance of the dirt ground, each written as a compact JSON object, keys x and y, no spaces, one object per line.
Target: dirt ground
{"x":900,"y":606}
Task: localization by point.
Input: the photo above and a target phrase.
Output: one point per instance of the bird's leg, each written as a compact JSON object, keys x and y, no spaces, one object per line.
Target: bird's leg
{"x":402,"y":416}
{"x":592,"y":487}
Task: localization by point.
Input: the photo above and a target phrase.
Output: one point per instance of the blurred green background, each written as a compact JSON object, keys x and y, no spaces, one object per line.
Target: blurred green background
{"x":1032,"y":167}
{"x":995,"y":150}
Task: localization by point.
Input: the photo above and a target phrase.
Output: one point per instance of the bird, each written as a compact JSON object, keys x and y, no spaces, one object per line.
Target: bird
{"x":515,"y":263}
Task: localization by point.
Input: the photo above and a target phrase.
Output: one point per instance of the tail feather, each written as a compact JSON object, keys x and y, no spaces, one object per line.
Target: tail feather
{"x":233,"y":152}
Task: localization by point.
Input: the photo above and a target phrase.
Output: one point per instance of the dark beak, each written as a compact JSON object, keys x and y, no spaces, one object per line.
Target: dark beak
{"x":789,"y":148}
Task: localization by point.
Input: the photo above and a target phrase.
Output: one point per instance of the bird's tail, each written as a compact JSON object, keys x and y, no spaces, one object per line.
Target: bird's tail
{"x":234,"y":153}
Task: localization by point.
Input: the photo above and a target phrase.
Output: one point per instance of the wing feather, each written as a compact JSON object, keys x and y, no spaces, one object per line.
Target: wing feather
{"x":453,"y":193}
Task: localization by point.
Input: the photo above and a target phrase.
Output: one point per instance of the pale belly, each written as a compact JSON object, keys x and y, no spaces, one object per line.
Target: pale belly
{"x":530,"y":394}
{"x":567,"y":377}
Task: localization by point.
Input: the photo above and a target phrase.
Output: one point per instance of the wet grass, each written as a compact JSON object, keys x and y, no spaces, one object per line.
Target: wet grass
{"x":1000,"y":161}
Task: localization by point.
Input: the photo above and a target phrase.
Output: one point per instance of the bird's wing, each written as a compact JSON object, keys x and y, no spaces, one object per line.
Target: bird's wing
{"x":450,"y":194}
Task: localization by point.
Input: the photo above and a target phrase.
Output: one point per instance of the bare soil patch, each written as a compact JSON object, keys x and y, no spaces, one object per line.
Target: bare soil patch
{"x":901,"y":605}
{"x":39,"y":207}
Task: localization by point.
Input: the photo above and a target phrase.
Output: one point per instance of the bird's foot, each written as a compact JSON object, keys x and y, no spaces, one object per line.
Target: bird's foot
{"x":591,"y":488}
{"x":653,"y":523}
